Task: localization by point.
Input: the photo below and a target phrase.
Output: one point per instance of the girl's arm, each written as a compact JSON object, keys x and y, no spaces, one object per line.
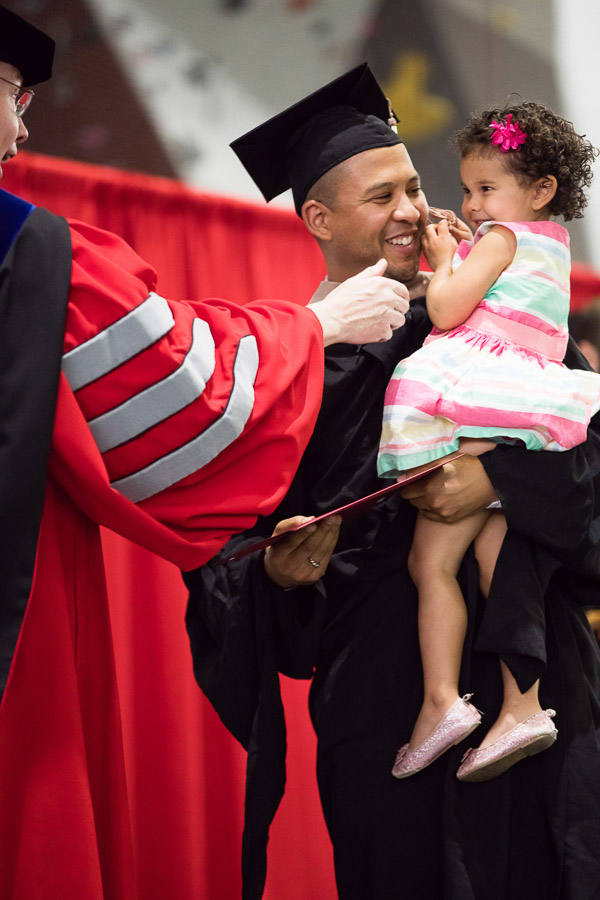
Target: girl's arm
{"x":452,"y":296}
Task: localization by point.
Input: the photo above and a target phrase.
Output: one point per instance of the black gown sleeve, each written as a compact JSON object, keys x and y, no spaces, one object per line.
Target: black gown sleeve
{"x":243,"y":631}
{"x":552,"y":498}
{"x":551,"y":505}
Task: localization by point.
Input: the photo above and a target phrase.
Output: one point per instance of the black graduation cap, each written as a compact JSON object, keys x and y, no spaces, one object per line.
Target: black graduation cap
{"x":25,"y":47}
{"x":295,"y":148}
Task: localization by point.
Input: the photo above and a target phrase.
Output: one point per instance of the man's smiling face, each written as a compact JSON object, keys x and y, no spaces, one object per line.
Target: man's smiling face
{"x":379,"y":211}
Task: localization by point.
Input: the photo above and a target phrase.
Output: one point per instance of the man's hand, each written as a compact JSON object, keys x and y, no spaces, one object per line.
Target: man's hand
{"x":363,"y":309}
{"x":302,"y":558}
{"x":452,"y":492}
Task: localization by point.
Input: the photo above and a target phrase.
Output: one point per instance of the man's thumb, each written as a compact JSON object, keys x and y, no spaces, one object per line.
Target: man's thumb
{"x":377,"y":269}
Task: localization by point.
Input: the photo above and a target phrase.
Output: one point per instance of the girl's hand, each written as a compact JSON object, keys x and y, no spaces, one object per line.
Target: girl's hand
{"x":439,"y":245}
{"x":458,"y":229}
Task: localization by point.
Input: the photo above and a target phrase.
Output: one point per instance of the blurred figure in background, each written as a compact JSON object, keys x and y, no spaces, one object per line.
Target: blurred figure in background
{"x":584,"y":327}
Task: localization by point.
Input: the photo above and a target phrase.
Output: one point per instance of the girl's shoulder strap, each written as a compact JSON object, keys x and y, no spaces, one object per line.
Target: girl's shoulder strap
{"x":485,"y":227}
{"x":545,"y":228}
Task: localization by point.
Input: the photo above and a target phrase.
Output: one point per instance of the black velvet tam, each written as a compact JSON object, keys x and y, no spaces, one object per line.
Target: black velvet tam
{"x":25,"y":47}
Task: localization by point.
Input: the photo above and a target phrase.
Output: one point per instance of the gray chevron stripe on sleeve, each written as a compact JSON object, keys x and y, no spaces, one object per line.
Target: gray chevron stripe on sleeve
{"x":119,"y":342}
{"x":161,"y":400}
{"x":203,"y":448}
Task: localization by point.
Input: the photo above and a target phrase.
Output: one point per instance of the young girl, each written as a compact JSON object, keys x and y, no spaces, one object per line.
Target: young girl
{"x":491,"y":371}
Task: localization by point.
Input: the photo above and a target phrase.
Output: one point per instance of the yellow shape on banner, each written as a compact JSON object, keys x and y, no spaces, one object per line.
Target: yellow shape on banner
{"x":421,"y":114}
{"x":505,"y":19}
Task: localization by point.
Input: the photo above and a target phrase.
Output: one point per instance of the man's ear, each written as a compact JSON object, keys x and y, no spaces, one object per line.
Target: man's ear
{"x":315,"y":216}
{"x":545,"y":189}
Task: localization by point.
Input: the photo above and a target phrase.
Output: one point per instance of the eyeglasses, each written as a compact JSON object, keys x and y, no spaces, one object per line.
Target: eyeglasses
{"x":22,"y":98}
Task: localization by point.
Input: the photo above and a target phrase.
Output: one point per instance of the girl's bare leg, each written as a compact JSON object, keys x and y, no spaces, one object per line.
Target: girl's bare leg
{"x":515,"y":706}
{"x":487,"y":549}
{"x":437,"y":551}
{"x":436,"y":554}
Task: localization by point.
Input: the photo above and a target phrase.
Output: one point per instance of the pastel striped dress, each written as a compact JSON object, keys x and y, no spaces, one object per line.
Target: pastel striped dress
{"x":500,"y":374}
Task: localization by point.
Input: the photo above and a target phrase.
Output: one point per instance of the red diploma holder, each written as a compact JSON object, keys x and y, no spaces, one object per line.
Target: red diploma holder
{"x":349,"y":509}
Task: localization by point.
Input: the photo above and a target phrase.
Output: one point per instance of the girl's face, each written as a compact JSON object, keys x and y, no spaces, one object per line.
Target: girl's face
{"x":491,"y":192}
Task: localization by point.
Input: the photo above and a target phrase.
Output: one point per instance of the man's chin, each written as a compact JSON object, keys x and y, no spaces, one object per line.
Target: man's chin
{"x":405,"y":272}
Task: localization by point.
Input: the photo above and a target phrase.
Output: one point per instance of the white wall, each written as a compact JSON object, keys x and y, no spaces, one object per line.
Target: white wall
{"x":577,"y":55}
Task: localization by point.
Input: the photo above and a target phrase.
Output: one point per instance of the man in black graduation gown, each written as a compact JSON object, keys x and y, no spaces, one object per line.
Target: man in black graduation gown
{"x":348,"y":620}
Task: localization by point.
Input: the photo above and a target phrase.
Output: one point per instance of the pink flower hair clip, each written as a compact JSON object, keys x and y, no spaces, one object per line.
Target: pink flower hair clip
{"x":509,"y":136}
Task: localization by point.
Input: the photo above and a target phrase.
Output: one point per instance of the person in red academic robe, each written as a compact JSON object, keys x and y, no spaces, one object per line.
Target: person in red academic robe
{"x":173,"y":423}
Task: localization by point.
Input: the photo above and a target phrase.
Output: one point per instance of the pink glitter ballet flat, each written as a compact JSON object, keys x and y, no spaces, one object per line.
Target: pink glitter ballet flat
{"x":535,"y":734}
{"x":461,"y":719}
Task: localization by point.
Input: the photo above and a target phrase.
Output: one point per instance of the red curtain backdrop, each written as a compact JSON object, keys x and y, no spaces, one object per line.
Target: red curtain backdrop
{"x":185,"y":772}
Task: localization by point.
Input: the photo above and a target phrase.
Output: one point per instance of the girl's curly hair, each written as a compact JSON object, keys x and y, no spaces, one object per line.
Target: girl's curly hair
{"x":552,"y":147}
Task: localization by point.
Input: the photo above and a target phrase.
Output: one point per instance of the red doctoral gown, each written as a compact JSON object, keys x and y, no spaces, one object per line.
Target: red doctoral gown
{"x":175,"y":425}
